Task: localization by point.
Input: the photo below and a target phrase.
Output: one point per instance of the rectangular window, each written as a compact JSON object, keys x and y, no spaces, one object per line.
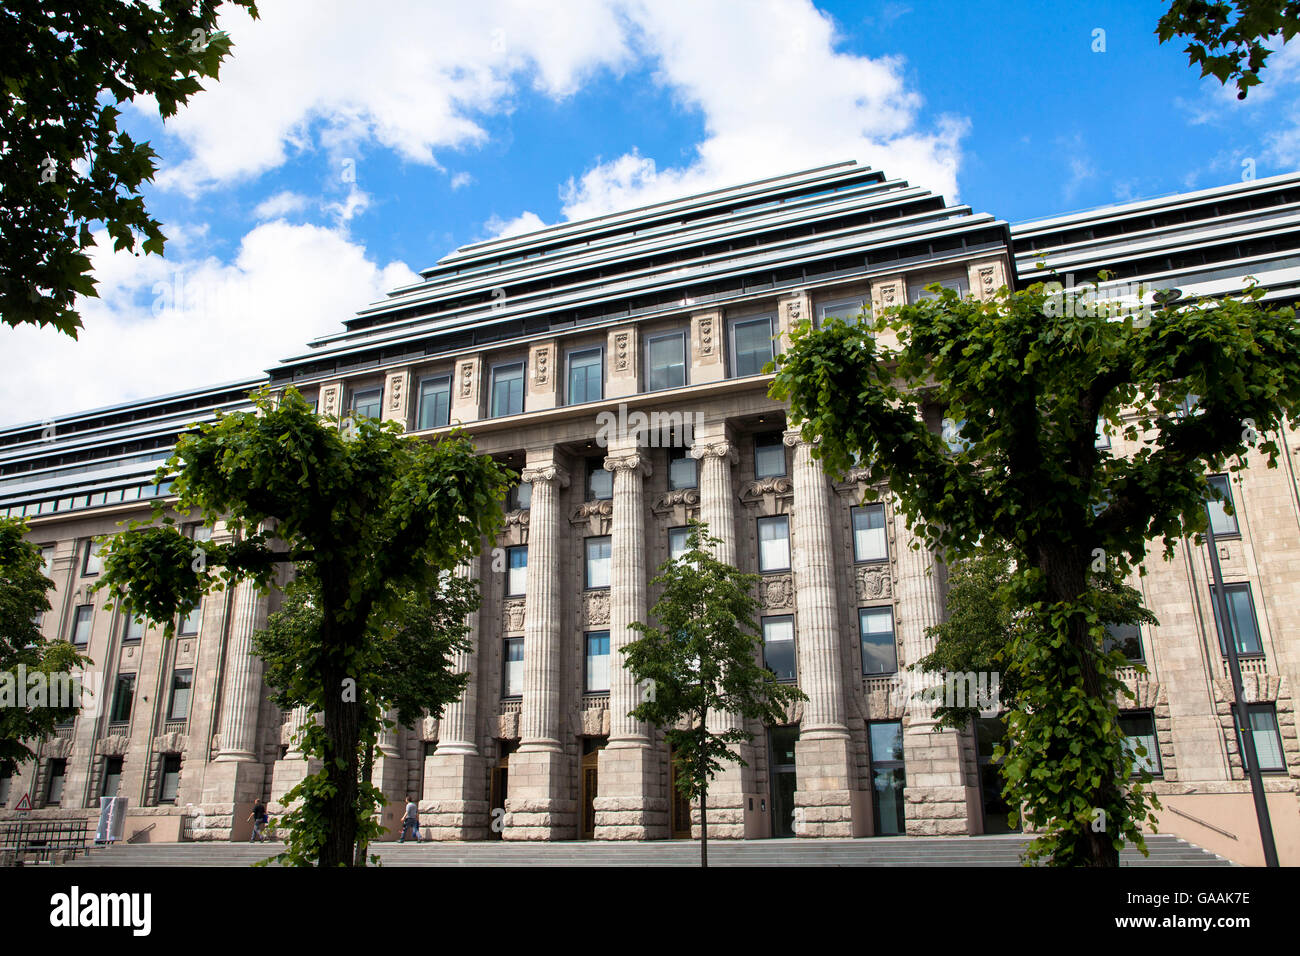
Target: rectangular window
{"x":597,"y":676}
{"x":1268,"y":740}
{"x":600,"y":483}
{"x":182,"y":683}
{"x":133,"y":630}
{"x":1241,"y":615}
{"x":917,"y":291}
{"x":81,"y":621}
{"x":778,"y":646}
{"x":846,"y":310}
{"x":1102,"y":440}
{"x":888,"y":777}
{"x":665,"y":361}
{"x":112,"y":777}
{"x":47,"y":560}
{"x":366,"y":402}
{"x":123,"y":695}
{"x":93,"y":563}
{"x":171,"y":778}
{"x":190,"y":623}
{"x":6,"y":779}
{"x":677,"y":538}
{"x":681,"y":469}
{"x":751,"y":345}
{"x":769,"y":456}
{"x":435,"y":402}
{"x":586,"y":376}
{"x":870,"y":542}
{"x":54,"y":786}
{"x":521,"y":497}
{"x":517,"y":575}
{"x":1139,"y":728}
{"x":1224,"y":524}
{"x":879,"y":652}
{"x":1125,"y":637}
{"x":512,"y":669}
{"x":598,"y":557}
{"x":507,"y":390}
{"x":774,"y":543}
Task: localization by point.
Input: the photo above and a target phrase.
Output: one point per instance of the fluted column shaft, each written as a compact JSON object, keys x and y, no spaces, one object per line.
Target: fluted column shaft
{"x":297,"y":721}
{"x":920,"y":594}
{"x":718,"y":511}
{"x":540,"y":723}
{"x":243,"y":680}
{"x":627,"y":603}
{"x":821,"y":670}
{"x":456,"y":729}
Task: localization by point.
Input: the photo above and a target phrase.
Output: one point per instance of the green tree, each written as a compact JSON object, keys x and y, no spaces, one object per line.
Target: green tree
{"x":65,"y":69}
{"x":1226,"y":39}
{"x":1023,"y":381}
{"x":23,"y":599}
{"x":411,"y":652}
{"x":376,"y":513}
{"x":701,"y":656}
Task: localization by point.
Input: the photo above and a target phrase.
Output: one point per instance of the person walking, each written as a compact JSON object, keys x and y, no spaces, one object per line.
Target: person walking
{"x":410,"y":820}
{"x":260,"y":819}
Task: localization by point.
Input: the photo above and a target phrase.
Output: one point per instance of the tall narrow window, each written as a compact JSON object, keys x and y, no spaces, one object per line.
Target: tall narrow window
{"x":81,"y":621}
{"x":600,"y":483}
{"x":6,"y":779}
{"x":665,"y":361}
{"x":597,"y":672}
{"x":879,"y":652}
{"x":133,"y":630}
{"x":1241,"y":615}
{"x":598,"y":558}
{"x":870,"y":542}
{"x":774,"y":543}
{"x":507,"y":390}
{"x":585,"y":378}
{"x":1139,"y":728}
{"x":1126,"y":637}
{"x":677,"y":542}
{"x":1224,"y":524}
{"x":171,"y":778}
{"x":681,"y":469}
{"x":778,"y":646}
{"x":54,"y":785}
{"x":190,"y":623}
{"x":179,"y":707}
{"x":435,"y":402}
{"x":888,"y":776}
{"x":512,"y":668}
{"x":123,"y":695}
{"x":751,"y":345}
{"x":1268,"y":740}
{"x":517,"y":576}
{"x":366,"y":402}
{"x":112,"y":777}
{"x":769,"y":456}
{"x":93,"y":563}
{"x":521,"y":497}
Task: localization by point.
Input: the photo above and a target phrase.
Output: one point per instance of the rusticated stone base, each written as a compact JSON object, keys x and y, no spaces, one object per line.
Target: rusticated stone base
{"x":455,"y":805}
{"x":287,"y":774}
{"x":936,"y":811}
{"x":825,"y":803}
{"x":233,"y":781}
{"x":628,"y":806}
{"x":538,"y":806}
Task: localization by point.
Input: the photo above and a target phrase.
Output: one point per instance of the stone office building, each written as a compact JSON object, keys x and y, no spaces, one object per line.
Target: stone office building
{"x":549,"y":348}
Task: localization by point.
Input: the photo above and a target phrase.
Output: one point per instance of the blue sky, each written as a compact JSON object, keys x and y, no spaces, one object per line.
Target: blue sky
{"x":340,"y":153}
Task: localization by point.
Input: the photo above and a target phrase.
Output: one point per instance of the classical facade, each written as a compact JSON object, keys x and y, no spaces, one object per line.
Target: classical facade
{"x":616,"y":364}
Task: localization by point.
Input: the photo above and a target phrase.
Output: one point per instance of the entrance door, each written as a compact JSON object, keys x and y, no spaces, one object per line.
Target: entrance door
{"x":680,"y":806}
{"x":989,"y":731}
{"x":591,"y":748}
{"x":500,"y":789}
{"x":782,"y":741}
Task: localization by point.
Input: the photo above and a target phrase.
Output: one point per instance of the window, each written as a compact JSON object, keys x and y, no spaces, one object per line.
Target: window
{"x":190,"y":623}
{"x":93,"y":563}
{"x":677,"y":538}
{"x":1125,"y":637}
{"x":769,"y":456}
{"x":1102,"y":440}
{"x":133,"y":631}
{"x":6,"y":779}
{"x":81,"y":624}
{"x":847,"y":310}
{"x":521,"y":497}
{"x":870,"y":542}
{"x":179,"y":708}
{"x":366,"y":402}
{"x":598,"y":554}
{"x":751,"y":346}
{"x":774,"y":543}
{"x":1241,"y":615}
{"x":879,"y":652}
{"x":171,"y":778}
{"x":917,"y":291}
{"x":681,"y":469}
{"x":950,"y":431}
{"x":123,"y":694}
{"x":507,"y":390}
{"x":1224,"y":524}
{"x":600,"y":483}
{"x":1268,"y":741}
{"x":597,"y":675}
{"x":1139,"y":728}
{"x":586,"y":376}
{"x":888,"y":776}
{"x":47,"y":560}
{"x":112,"y":777}
{"x":54,"y":786}
{"x":517,"y":571}
{"x":435,"y":402}
{"x":665,"y":361}
{"x":512,"y":669}
{"x":778,"y":647}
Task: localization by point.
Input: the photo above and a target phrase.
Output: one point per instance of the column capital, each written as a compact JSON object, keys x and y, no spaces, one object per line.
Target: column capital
{"x":793,"y":438}
{"x":721,"y":448}
{"x":547,"y":473}
{"x":628,"y":461}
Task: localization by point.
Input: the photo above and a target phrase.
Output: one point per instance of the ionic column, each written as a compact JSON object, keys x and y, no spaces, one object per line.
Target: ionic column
{"x":455,"y":785}
{"x":236,"y":774}
{"x":387,"y":772}
{"x":825,"y":802}
{"x":538,"y":806}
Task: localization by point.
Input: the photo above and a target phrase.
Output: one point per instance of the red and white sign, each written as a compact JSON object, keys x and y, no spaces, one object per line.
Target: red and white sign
{"x":25,"y":804}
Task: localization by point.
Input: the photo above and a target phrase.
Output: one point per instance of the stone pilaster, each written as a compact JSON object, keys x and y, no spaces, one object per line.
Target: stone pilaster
{"x":397,"y":398}
{"x":543,"y":376}
{"x":628,"y":805}
{"x":290,"y":769}
{"x":467,"y":390}
{"x":237,"y":775}
{"x":388,"y":774}
{"x":824,"y":800}
{"x":456,"y":800}
{"x":539,"y":805}
{"x":623,"y":362}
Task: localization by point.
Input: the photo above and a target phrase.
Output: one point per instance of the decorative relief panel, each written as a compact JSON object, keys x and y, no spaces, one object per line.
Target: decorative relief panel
{"x":512,"y":615}
{"x":769,"y":495}
{"x":776,"y":591}
{"x":508,"y":726}
{"x":706,"y":335}
{"x":171,"y":743}
{"x":113,"y":745}
{"x":329,"y":400}
{"x":622,"y":351}
{"x":595,"y":608}
{"x":394,"y":390}
{"x":873,"y":582}
{"x":465,"y":375}
{"x":597,"y":515}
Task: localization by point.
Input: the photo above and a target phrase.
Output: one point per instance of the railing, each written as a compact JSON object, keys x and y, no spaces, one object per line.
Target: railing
{"x":1249,"y":665}
{"x":174,"y":726}
{"x":595,"y":701}
{"x":122,"y":727}
{"x":1208,"y":826}
{"x":515,"y":706}
{"x":64,"y":731}
{"x":43,"y":838}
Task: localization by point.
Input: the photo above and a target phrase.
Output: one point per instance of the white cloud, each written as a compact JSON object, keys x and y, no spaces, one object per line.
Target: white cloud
{"x":460,"y":180}
{"x":281,"y":204}
{"x":498,"y":228}
{"x":166,"y":325}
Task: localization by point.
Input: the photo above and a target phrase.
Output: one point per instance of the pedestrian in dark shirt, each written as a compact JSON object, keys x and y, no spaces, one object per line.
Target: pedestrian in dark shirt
{"x":260,"y":819}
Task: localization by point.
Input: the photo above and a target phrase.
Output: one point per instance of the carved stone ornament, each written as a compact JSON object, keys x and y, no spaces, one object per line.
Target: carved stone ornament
{"x":593,"y":509}
{"x":622,"y":345}
{"x":776,"y":591}
{"x":512,"y":615}
{"x":545,"y":473}
{"x":718,"y":449}
{"x":543,"y":357}
{"x":171,"y":743}
{"x":428,"y":728}
{"x":595,"y":607}
{"x":762,"y":487}
{"x":466,"y":379}
{"x":508,"y":726}
{"x":873,"y":582}
{"x":519,"y":517}
{"x":796,"y":308}
{"x":706,"y":335}
{"x":113,"y":745}
{"x":986,"y":279}
{"x":632,"y":462}
{"x":889,"y":293}
{"x":394,"y":393}
{"x":329,"y":401}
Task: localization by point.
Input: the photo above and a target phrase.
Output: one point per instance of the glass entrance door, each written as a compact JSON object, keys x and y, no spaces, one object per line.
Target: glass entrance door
{"x":990,"y":731}
{"x":782,"y":741}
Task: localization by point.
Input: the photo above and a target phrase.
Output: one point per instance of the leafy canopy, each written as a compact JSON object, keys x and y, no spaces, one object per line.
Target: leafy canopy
{"x":1227,"y":39}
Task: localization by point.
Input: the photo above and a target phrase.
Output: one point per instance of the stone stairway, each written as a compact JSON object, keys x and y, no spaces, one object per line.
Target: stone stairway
{"x":1166,"y":851}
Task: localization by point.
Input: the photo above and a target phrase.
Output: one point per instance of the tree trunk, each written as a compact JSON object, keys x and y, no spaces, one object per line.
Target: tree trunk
{"x":704,"y":828}
{"x":367,"y":774}
{"x":343,"y":737}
